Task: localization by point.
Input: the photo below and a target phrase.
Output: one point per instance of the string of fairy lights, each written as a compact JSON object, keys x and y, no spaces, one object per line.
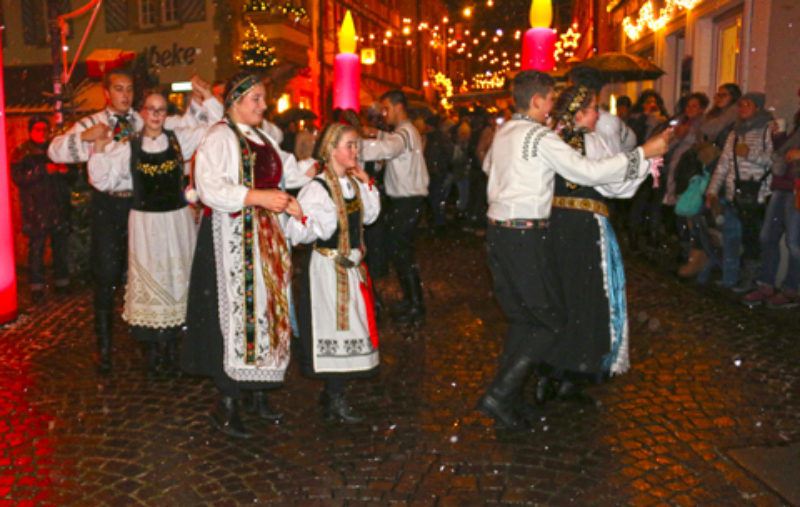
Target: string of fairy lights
{"x":647,"y":17}
{"x":492,"y":53}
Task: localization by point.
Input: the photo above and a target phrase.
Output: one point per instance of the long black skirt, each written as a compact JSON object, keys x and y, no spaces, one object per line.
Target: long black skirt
{"x":202,"y":351}
{"x":585,"y":343}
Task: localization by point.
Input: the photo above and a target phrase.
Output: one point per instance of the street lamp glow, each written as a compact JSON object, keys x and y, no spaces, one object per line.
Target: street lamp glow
{"x":467,"y":12}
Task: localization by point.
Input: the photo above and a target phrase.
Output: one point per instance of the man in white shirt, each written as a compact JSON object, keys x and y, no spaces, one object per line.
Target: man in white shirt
{"x":406,"y":183}
{"x":109,"y":210}
{"x":521,"y":166}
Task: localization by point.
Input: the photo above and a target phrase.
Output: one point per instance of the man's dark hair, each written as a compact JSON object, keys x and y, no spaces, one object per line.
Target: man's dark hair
{"x":396,"y":97}
{"x":624,"y":101}
{"x":528,"y":83}
{"x":119,"y":71}
{"x":588,"y":77}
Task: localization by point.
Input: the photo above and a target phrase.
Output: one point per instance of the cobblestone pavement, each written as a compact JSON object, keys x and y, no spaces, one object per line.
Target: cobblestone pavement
{"x":708,"y":376}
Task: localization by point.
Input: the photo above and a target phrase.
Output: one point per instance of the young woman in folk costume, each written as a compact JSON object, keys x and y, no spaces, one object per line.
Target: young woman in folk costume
{"x":335,"y":310}
{"x":238,"y":320}
{"x":595,"y":341}
{"x":161,"y":230}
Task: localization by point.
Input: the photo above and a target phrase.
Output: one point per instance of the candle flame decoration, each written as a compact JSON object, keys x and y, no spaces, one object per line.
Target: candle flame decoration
{"x":347,"y":35}
{"x":541,"y":14}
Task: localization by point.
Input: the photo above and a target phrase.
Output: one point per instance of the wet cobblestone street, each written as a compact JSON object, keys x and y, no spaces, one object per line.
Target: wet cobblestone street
{"x":708,"y":376}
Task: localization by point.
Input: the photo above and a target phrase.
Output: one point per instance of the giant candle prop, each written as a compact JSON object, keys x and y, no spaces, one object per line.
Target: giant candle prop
{"x":8,"y":277}
{"x":538,"y":45}
{"x":346,"y":68}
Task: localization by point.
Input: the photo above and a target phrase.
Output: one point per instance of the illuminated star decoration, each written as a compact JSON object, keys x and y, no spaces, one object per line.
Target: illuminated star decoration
{"x":567,"y":43}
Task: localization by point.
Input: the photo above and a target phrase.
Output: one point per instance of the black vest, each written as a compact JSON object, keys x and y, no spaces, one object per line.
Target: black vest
{"x":353,"y":206}
{"x":157,"y":177}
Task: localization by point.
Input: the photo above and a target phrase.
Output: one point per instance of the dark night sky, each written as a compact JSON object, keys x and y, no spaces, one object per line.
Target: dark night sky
{"x":510,"y":15}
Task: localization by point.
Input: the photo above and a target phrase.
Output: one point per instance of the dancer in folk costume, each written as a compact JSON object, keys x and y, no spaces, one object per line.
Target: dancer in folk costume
{"x":594,"y":342}
{"x":238,"y":320}
{"x":109,"y":210}
{"x":338,"y":334}
{"x":521,"y":165}
{"x":161,"y":230}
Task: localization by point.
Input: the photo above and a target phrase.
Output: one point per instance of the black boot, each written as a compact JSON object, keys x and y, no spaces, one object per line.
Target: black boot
{"x":499,"y":399}
{"x":102,"y":328}
{"x":402,"y":307}
{"x":569,"y":391}
{"x":258,"y":405}
{"x":169,"y":354}
{"x":225,"y":417}
{"x":336,"y":407}
{"x":415,"y":313}
{"x":152,"y":357}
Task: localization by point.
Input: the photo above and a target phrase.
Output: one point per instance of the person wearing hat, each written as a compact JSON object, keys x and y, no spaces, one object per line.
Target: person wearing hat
{"x":741,"y":184}
{"x":239,"y":318}
{"x":44,"y":197}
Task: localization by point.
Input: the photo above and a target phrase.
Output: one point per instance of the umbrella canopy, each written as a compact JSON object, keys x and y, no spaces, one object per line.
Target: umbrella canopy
{"x":618,"y":67}
{"x":419,"y":108}
{"x":294,"y":114}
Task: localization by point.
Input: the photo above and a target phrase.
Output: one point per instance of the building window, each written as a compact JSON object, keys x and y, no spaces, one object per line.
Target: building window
{"x":169,"y":12}
{"x":727,"y":34}
{"x":158,"y":13}
{"x":148,"y":13}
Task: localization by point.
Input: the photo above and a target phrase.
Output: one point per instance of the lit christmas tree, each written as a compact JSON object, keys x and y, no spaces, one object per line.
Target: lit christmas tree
{"x":256,"y":53}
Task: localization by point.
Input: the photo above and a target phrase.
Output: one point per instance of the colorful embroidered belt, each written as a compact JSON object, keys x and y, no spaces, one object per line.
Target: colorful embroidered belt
{"x":582,"y":204}
{"x":521,"y":223}
{"x":336,"y":257}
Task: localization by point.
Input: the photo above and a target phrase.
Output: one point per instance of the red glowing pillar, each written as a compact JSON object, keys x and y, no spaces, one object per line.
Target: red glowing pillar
{"x":347,"y":68}
{"x":538,"y":45}
{"x":8,"y":275}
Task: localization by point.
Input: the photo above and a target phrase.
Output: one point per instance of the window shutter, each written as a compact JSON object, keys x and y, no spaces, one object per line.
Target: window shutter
{"x":116,"y":13}
{"x":192,"y":10}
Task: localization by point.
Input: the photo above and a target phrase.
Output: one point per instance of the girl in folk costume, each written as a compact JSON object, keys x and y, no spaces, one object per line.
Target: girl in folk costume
{"x":338,"y":334}
{"x":595,"y":340}
{"x":238,"y":320}
{"x":161,"y":230}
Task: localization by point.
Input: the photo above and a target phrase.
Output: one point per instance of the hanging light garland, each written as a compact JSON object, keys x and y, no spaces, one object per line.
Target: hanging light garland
{"x":295,"y":12}
{"x":649,"y":19}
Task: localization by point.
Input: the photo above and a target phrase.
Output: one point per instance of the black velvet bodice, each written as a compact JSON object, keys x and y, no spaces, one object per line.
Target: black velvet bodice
{"x":157,"y":177}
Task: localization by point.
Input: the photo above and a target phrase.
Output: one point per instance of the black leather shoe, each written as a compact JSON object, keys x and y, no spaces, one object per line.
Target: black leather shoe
{"x":504,"y":416}
{"x":258,"y":405}
{"x":568,"y":391}
{"x":336,"y":407}
{"x":225,"y":417}
{"x":414,"y":315}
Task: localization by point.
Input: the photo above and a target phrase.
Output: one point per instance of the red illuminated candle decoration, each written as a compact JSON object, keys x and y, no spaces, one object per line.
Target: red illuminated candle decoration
{"x":538,"y":45}
{"x":347,"y":68}
{"x":8,"y":276}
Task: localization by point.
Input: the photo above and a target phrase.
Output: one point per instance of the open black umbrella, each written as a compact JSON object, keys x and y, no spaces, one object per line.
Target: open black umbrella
{"x":419,"y":108}
{"x":294,"y":114}
{"x":617,"y":67}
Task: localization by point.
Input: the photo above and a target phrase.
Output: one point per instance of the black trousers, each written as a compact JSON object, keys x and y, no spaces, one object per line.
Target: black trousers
{"x":526,"y":285}
{"x":109,"y":246}
{"x":403,"y":217}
